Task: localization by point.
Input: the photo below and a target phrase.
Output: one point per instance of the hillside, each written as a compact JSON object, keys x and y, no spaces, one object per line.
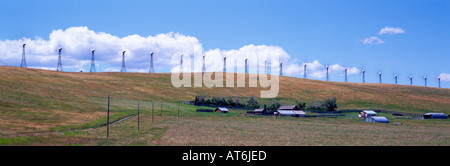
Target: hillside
{"x":46,"y":99}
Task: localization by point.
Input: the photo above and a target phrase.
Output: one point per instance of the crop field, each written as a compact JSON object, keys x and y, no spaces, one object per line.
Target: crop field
{"x":39,"y":107}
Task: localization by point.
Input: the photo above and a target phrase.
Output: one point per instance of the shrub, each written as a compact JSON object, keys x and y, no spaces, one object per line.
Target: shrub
{"x":330,"y":104}
{"x":315,"y":105}
{"x":301,"y":104}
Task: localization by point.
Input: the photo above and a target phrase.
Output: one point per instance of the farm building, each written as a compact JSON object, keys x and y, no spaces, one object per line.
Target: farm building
{"x":258,"y":111}
{"x":290,"y":111}
{"x":379,"y":119}
{"x":434,"y":116}
{"x":367,"y":113}
{"x":221,"y":110}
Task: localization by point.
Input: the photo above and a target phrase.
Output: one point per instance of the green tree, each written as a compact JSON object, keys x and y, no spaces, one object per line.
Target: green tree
{"x":330,"y":104}
{"x":252,"y":102}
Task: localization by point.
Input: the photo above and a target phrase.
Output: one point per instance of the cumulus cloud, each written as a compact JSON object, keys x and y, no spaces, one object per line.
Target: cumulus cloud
{"x":77,"y":43}
{"x":445,"y":77}
{"x":391,"y":30}
{"x":372,"y":40}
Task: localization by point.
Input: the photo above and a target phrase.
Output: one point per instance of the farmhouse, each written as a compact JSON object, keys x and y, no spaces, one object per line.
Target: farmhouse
{"x":434,"y":116}
{"x":367,"y":113}
{"x":221,"y":110}
{"x":291,"y":110}
{"x":379,"y":119}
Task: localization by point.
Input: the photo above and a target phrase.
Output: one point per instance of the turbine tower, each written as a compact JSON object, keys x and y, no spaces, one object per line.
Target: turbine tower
{"x":59,"y":68}
{"x":123,"y":69}
{"x":24,"y":62}
{"x":380,"y":76}
{"x":439,"y":82}
{"x":345,"y":74}
{"x":204,"y":65}
{"x":364,"y":76}
{"x":304,"y":70}
{"x":396,"y":76}
{"x":328,"y":78}
{"x":92,"y":62}
{"x":410,"y":80}
{"x":265,"y":66}
{"x":425,"y":78}
{"x":151,"y":63}
{"x":246,"y":66}
{"x":224,"y":64}
{"x":281,"y":69}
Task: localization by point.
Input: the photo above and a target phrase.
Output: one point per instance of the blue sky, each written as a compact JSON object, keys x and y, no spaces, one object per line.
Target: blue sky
{"x":331,"y":32}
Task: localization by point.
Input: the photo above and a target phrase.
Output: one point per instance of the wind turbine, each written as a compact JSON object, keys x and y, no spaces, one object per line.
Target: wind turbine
{"x":24,"y":61}
{"x":92,"y":62}
{"x":410,"y":80}
{"x":379,"y":74}
{"x":364,"y":76}
{"x":425,"y":78}
{"x":151,"y":63}
{"x":181,"y":63}
{"x":123,"y":69}
{"x":204,"y":67}
{"x":224,"y":64}
{"x":59,"y":67}
{"x":396,"y":76}
{"x":328,"y":78}
{"x":439,"y":82}
{"x":304,"y":70}
{"x":281,"y":69}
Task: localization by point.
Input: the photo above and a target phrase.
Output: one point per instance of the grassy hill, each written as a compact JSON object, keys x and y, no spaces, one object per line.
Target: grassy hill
{"x":33,"y":99}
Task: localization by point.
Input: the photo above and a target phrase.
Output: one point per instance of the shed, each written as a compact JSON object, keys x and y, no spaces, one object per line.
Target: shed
{"x":221,"y":110}
{"x":434,"y":116}
{"x":259,"y":111}
{"x":367,"y":113}
{"x":379,"y":119}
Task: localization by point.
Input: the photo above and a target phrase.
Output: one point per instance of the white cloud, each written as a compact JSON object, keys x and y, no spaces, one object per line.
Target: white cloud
{"x":391,"y":30}
{"x":445,"y":77}
{"x":77,"y":43}
{"x":372,"y":40}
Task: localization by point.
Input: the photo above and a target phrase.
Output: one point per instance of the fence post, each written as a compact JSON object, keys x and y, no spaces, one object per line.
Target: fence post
{"x":179,"y":105}
{"x":107,"y":121}
{"x":138,"y":116}
{"x":153,"y":105}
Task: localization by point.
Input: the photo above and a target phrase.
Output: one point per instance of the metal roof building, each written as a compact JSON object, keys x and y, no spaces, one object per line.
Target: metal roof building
{"x":367,"y":113}
{"x":221,"y":109}
{"x":434,"y":116}
{"x":291,"y":110}
{"x":379,"y":119}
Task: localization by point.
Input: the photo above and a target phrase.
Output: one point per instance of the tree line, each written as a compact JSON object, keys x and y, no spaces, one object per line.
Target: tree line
{"x":328,"y":104}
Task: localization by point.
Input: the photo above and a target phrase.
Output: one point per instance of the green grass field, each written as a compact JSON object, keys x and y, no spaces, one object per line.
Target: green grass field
{"x":39,"y":107}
